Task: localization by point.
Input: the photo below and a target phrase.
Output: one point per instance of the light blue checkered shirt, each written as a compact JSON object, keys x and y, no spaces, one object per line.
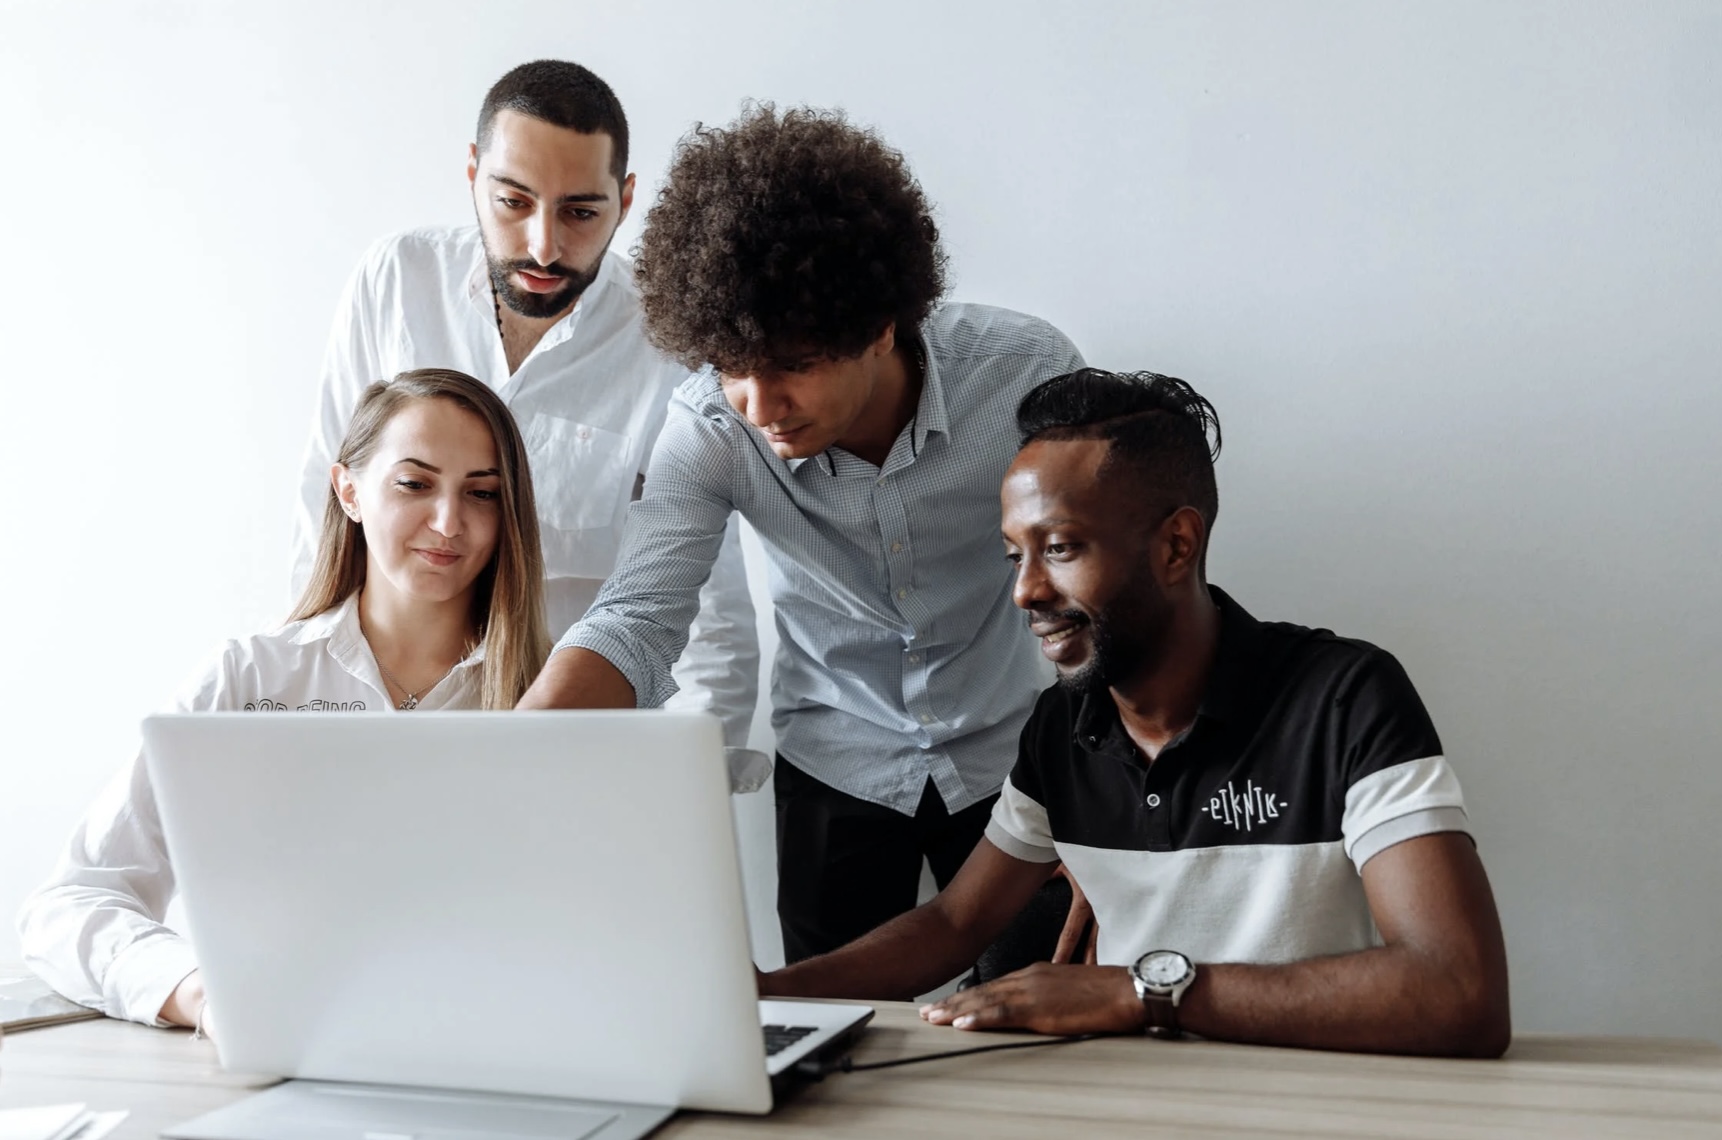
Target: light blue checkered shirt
{"x":901,"y":655}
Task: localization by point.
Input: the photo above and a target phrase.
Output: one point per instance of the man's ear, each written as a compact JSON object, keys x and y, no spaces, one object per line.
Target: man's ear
{"x":1182,"y":538}
{"x":472,"y":164}
{"x":627,"y":198}
{"x":886,"y":341}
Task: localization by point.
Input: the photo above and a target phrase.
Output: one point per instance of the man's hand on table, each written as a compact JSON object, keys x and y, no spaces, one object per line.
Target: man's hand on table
{"x":1060,"y":1000}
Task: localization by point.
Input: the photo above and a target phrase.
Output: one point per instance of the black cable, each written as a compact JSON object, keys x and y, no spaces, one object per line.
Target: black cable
{"x":848,"y":1065}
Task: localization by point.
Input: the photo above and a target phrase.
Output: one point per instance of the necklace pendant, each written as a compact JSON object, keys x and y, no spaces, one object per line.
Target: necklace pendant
{"x":412,"y":702}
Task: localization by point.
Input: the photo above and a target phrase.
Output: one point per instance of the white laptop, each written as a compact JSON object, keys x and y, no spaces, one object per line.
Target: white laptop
{"x":459,"y":924}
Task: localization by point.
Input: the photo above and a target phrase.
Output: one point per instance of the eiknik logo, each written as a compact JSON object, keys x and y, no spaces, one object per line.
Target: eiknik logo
{"x":1243,"y":809}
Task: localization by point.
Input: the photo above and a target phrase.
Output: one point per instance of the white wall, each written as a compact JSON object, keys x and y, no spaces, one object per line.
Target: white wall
{"x":1449,"y":271}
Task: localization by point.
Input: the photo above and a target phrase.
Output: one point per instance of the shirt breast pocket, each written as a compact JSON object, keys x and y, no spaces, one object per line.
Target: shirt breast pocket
{"x":581,"y":474}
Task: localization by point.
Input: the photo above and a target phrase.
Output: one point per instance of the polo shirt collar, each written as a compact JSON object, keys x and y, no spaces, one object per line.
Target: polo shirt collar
{"x":1231,"y":681}
{"x":1237,"y":661}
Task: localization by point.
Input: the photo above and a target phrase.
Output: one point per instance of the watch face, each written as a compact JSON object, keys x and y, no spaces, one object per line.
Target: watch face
{"x":1164,"y":968}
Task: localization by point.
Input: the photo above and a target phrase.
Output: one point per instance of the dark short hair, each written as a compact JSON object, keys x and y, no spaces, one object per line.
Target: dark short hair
{"x":562,"y":94}
{"x":1157,"y":426}
{"x":783,"y":239}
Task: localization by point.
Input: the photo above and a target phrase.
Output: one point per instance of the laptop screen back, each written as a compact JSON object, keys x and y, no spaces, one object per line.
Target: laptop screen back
{"x":544,"y":903}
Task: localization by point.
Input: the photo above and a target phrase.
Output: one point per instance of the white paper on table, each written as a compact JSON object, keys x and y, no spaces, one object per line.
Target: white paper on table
{"x":50,"y":1122}
{"x":96,"y":1125}
{"x":57,"y":1122}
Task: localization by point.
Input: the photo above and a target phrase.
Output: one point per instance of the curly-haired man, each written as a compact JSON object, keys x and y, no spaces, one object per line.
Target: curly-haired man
{"x":863,"y":430}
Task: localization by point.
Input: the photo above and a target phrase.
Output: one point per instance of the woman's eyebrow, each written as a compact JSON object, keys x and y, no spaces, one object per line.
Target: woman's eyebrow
{"x":435,"y":470}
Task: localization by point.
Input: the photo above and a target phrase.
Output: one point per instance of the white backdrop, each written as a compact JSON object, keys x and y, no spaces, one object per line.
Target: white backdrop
{"x":1450,"y":273}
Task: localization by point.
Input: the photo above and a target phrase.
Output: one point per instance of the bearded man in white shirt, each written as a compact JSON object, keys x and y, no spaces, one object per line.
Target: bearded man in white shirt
{"x":531,"y":301}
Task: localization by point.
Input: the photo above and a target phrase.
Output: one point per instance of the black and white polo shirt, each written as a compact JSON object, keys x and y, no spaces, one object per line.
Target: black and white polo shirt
{"x":1244,"y":840}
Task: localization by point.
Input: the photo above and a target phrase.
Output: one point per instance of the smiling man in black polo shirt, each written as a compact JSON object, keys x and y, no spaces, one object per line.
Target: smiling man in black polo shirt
{"x":1274,"y":846}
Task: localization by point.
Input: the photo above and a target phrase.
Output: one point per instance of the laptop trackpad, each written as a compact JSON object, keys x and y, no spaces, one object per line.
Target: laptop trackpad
{"x":317,"y":1110}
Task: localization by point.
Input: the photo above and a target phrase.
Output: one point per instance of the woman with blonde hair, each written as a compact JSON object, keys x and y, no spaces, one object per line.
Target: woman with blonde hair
{"x":427,"y":594}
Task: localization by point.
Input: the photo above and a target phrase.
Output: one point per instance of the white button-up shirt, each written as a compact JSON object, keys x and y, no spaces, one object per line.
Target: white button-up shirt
{"x":94,"y":931}
{"x":590,"y":400}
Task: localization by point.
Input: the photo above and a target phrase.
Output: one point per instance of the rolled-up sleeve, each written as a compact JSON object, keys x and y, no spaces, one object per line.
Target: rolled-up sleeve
{"x":719,"y":670}
{"x":94,"y":930}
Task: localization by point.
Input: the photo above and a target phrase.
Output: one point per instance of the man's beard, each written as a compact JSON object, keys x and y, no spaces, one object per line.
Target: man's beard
{"x":539,"y":306}
{"x":1126,"y":639}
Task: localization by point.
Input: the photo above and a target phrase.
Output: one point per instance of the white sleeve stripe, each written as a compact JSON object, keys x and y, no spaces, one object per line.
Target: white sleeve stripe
{"x":1414,"y":786}
{"x":1414,"y":826}
{"x":1015,"y":847}
{"x":1019,"y":826}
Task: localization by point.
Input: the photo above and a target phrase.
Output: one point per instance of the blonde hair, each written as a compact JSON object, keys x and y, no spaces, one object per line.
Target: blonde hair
{"x":508,"y":595}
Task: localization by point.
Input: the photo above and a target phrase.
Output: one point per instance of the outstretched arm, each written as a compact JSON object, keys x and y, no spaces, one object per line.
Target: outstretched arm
{"x":577,"y":678}
{"x":620,"y":655}
{"x":1437,"y":986}
{"x":719,"y":670}
{"x":928,"y":946}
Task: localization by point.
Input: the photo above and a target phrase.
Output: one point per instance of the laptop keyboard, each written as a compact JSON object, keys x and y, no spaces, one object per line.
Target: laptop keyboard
{"x":780,"y":1037}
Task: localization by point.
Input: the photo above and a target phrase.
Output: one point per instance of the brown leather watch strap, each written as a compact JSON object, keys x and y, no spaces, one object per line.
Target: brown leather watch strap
{"x":1162,"y":1018}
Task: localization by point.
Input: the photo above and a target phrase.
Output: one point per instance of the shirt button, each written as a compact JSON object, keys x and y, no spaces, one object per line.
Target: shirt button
{"x":914,"y":658}
{"x":1153,"y":800}
{"x":903,"y":593}
{"x":896,"y":546}
{"x":583,"y":433}
{"x":925,"y":719}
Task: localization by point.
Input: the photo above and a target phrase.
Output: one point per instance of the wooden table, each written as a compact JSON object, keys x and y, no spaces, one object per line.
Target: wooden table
{"x":1547,"y":1086}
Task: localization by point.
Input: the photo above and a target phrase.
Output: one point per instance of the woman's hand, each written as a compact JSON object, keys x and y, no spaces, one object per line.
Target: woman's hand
{"x":187,"y":1005}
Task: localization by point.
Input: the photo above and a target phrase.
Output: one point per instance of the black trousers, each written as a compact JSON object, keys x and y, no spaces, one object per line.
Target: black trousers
{"x":844,"y":866}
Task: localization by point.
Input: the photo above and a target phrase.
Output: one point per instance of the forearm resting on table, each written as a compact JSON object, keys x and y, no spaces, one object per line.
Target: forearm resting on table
{"x":1386,"y":1000}
{"x":577,"y":678}
{"x":1438,"y":986}
{"x":898,"y":961}
{"x":928,"y":946}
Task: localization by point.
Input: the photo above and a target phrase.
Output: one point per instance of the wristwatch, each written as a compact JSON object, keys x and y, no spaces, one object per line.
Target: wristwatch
{"x":1161,"y":977}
